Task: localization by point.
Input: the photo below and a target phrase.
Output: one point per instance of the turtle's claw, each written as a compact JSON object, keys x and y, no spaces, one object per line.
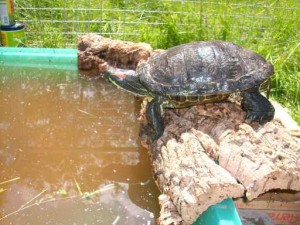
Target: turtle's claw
{"x":257,"y":107}
{"x":260,"y":117}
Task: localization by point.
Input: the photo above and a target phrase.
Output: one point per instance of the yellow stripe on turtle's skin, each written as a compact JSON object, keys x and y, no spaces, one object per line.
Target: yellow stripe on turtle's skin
{"x":186,"y":101}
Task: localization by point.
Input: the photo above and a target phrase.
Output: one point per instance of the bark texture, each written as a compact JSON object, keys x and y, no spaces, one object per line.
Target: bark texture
{"x":259,"y":157}
{"x":193,"y":181}
{"x":95,"y":52}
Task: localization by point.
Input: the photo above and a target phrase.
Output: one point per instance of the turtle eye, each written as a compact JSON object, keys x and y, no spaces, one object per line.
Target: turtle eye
{"x":102,"y":54}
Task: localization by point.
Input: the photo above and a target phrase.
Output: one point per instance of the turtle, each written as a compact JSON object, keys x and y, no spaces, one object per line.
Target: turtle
{"x":198,"y":73}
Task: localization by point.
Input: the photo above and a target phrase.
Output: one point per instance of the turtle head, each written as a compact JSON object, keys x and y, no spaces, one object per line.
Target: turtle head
{"x":126,"y":79}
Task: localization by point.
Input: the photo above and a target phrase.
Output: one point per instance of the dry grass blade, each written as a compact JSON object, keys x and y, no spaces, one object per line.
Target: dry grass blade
{"x":77,"y":186}
{"x":11,"y":180}
{"x":35,"y":197}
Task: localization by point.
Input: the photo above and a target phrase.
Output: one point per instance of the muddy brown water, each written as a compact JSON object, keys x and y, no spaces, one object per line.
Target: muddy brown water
{"x":69,"y":152}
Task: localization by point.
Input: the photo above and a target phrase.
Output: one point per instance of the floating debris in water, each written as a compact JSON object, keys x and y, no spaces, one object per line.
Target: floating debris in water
{"x":116,"y":220}
{"x":11,"y":180}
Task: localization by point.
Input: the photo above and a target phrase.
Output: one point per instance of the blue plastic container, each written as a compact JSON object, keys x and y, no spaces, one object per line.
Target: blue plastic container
{"x":39,"y":57}
{"x":223,"y":213}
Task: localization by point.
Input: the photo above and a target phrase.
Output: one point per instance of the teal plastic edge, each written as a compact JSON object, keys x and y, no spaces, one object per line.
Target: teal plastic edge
{"x":223,"y":213}
{"x":39,"y":57}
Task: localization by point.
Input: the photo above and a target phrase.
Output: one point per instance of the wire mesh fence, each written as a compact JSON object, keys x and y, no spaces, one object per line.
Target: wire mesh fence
{"x":57,"y":23}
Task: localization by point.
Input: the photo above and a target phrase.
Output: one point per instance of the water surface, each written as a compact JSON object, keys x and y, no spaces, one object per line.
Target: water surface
{"x":69,"y":151}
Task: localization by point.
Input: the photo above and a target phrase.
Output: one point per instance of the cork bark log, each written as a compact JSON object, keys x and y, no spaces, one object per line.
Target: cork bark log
{"x":95,"y":52}
{"x":191,"y":178}
{"x":252,"y":158}
{"x":259,"y":157}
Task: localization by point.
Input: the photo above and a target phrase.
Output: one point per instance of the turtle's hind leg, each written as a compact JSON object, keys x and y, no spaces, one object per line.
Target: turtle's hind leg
{"x":257,"y":107}
{"x":154,"y":115}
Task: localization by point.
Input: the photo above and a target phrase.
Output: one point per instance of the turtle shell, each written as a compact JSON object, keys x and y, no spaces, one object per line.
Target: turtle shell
{"x":203,"y":68}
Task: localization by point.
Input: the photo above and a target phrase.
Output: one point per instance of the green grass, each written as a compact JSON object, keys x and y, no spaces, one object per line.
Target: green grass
{"x":270,"y":28}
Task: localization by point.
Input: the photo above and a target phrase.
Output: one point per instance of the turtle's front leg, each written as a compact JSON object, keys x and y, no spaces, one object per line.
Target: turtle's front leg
{"x":257,"y":107}
{"x":154,"y":115}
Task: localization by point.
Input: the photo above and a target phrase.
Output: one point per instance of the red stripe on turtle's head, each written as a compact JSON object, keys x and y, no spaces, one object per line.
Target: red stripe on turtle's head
{"x":119,"y":75}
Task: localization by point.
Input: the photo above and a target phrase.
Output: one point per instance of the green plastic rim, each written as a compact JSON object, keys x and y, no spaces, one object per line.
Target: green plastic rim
{"x":39,"y":57}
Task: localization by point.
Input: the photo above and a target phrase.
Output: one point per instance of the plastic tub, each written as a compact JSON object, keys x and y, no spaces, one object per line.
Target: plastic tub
{"x":223,"y":213}
{"x":39,"y":57}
